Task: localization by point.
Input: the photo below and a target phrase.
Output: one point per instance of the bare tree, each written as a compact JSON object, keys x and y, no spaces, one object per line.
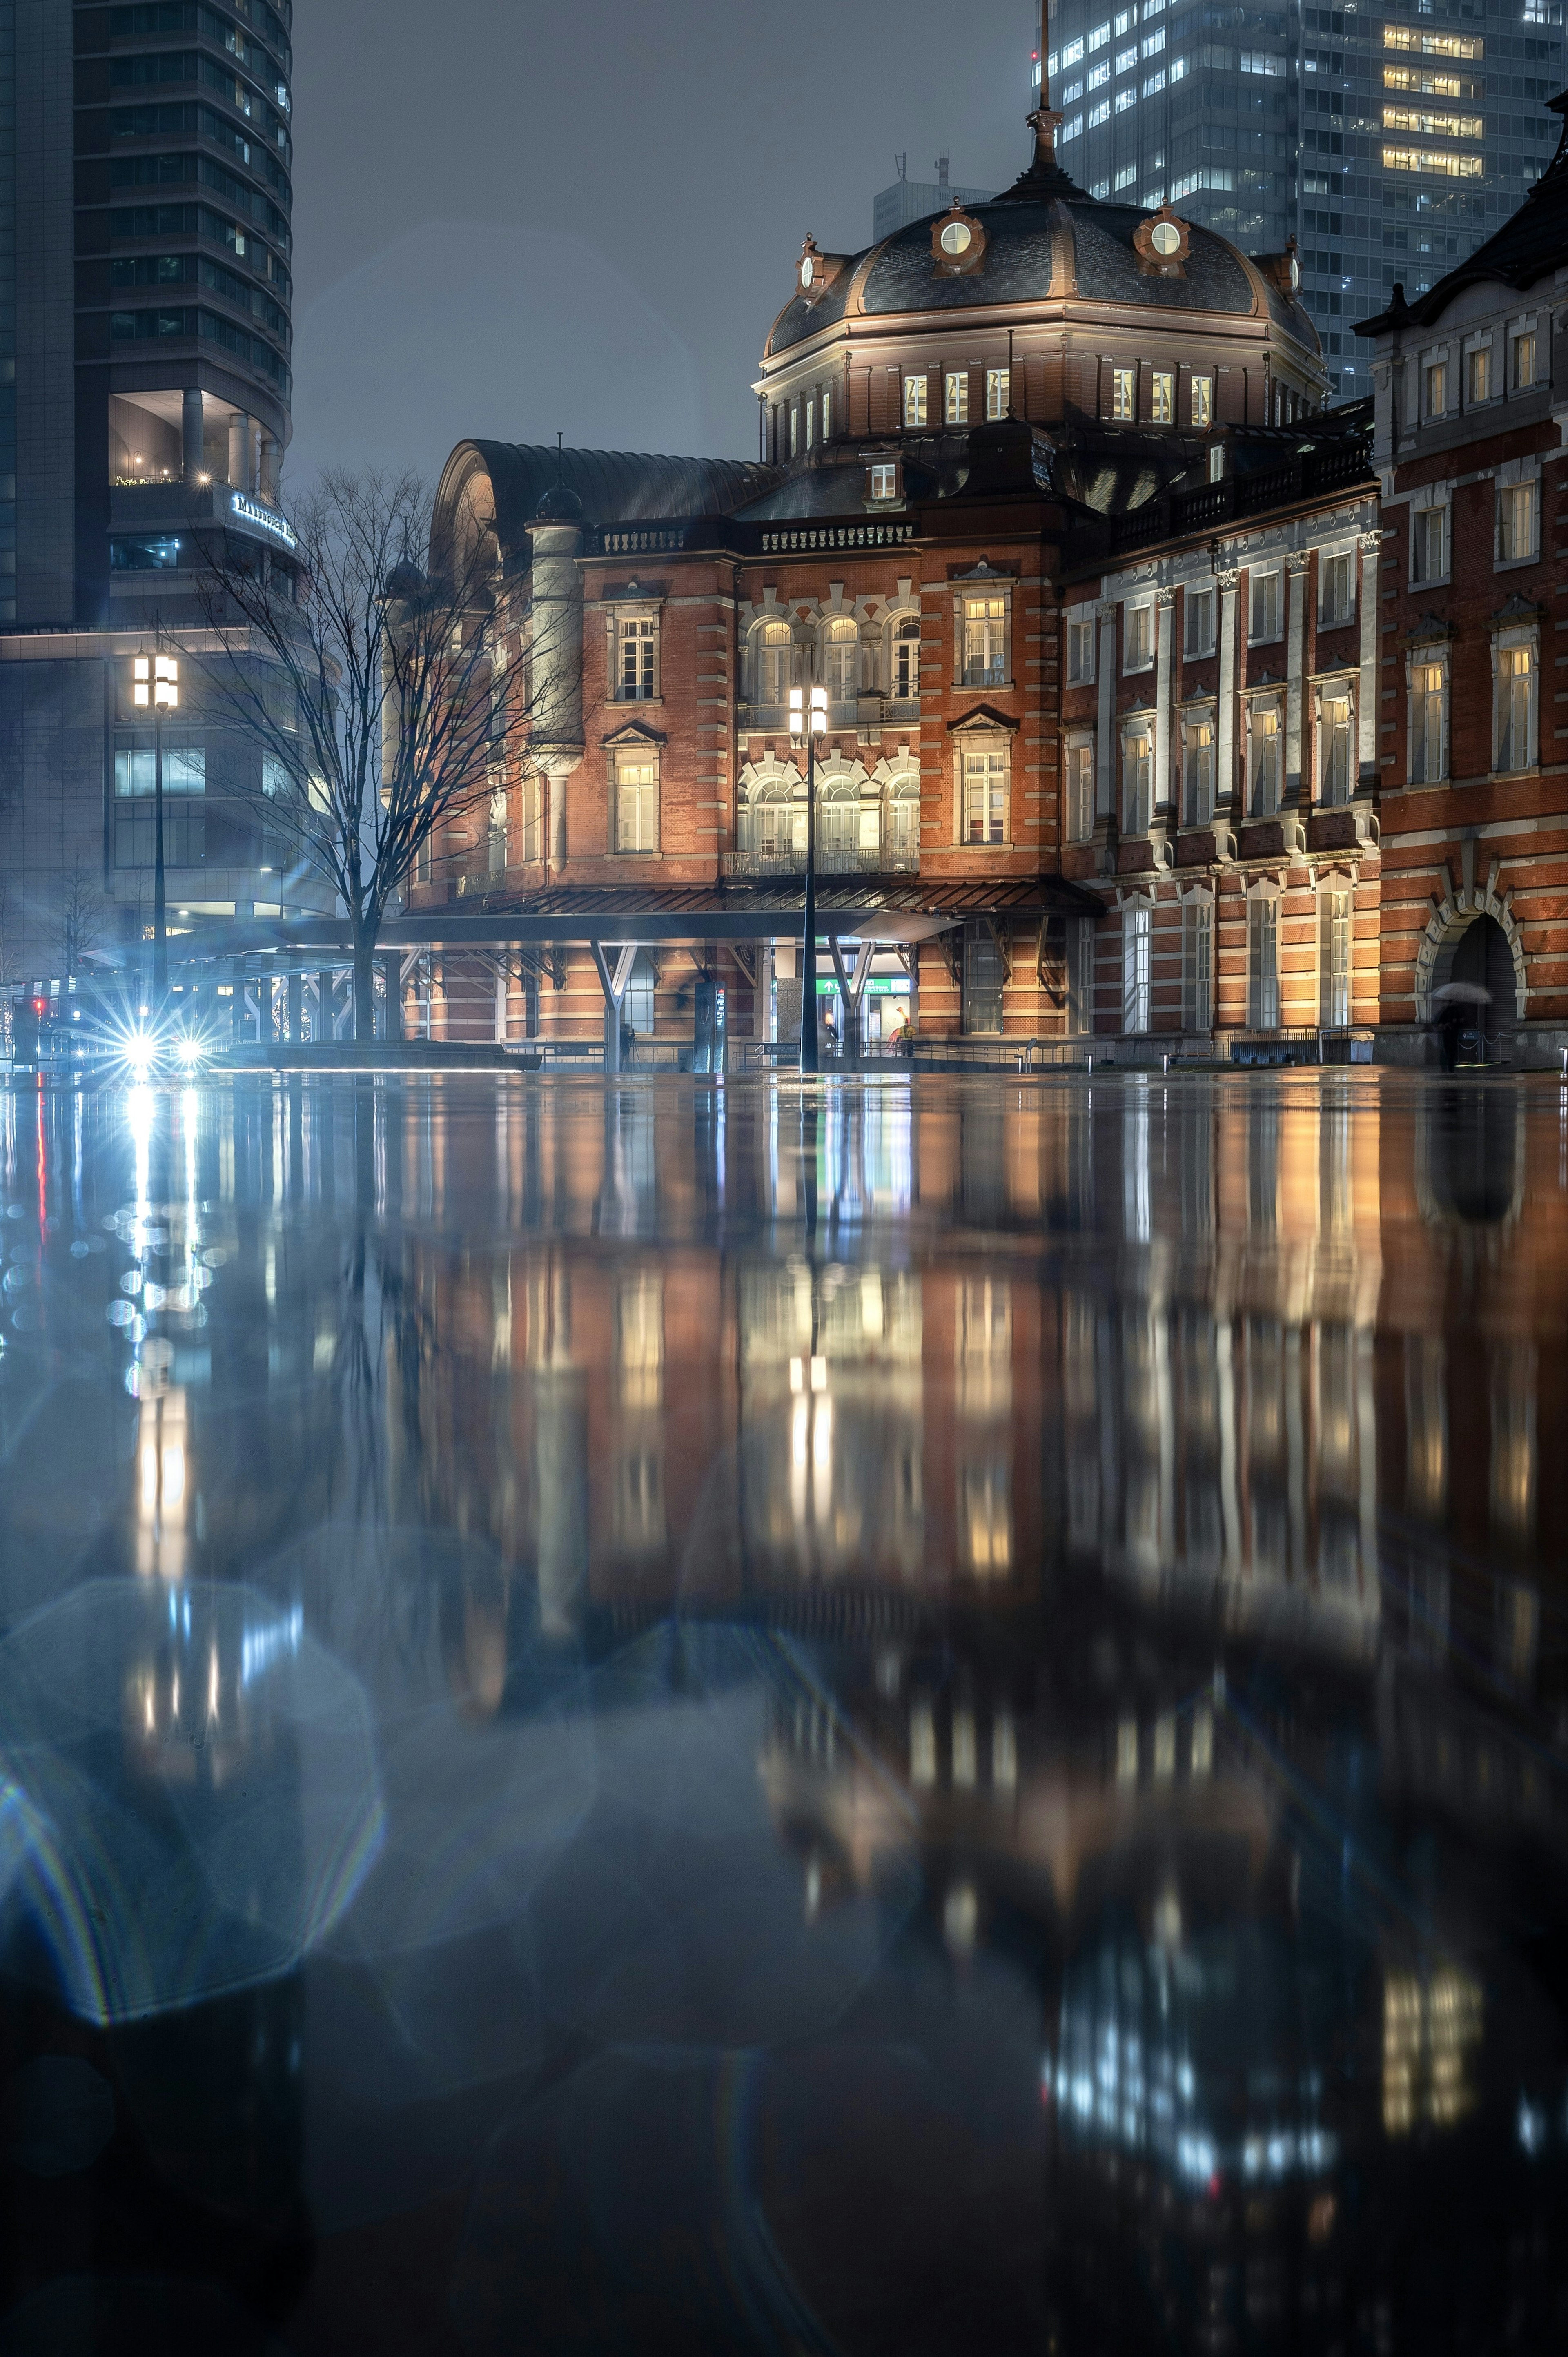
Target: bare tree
{"x":78,"y":917}
{"x":374,"y":684}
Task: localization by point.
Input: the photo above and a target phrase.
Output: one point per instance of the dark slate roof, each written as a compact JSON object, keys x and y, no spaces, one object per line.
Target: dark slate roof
{"x":1016,"y":268}
{"x":1108,"y":272}
{"x":837,"y":486}
{"x":614,"y":485}
{"x":1531,"y":245}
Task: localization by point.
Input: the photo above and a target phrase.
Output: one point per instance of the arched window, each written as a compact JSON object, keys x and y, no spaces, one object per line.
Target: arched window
{"x":772,"y":664}
{"x":906,"y":684}
{"x":841,"y":661}
{"x":838,"y":813}
{"x":902,"y":820}
{"x":773,"y":817}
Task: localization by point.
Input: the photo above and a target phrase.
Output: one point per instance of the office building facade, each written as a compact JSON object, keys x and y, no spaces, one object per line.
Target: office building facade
{"x":145,"y":334}
{"x":1389,"y":141}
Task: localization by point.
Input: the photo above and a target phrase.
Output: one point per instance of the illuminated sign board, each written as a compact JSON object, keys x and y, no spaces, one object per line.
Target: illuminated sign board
{"x":262,"y":519}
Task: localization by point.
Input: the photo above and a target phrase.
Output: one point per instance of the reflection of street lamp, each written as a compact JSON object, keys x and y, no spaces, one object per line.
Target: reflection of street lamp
{"x":807,"y":729}
{"x":156,"y":681}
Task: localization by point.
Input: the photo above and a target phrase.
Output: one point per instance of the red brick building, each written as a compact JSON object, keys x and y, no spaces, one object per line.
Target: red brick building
{"x":1117,"y":649}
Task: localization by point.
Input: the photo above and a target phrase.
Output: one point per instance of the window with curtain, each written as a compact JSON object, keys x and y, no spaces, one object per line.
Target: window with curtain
{"x":1136,"y":928}
{"x":1336,"y":589}
{"x":985,"y":794}
{"x":1429,"y":544}
{"x":638,"y":657}
{"x":1198,"y":623}
{"x":1519,"y":512}
{"x":1138,"y":771}
{"x":1197,"y":965}
{"x":1263,"y":964}
{"x":1335,"y":715}
{"x":841,"y":661}
{"x":1333,"y":959}
{"x":1198,"y":770}
{"x":1264,"y":753}
{"x":637,"y":800}
{"x":772,"y":653}
{"x":1428,"y":729}
{"x":906,"y":661}
{"x":1515,"y":707}
{"x":985,"y":641}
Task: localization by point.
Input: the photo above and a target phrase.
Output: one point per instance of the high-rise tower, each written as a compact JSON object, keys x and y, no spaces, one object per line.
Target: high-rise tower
{"x":1388,"y":141}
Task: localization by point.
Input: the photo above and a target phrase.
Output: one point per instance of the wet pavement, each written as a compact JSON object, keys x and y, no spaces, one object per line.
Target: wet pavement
{"x":903,"y":1718}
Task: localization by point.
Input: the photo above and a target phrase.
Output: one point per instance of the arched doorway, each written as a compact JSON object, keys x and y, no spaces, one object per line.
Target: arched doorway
{"x":1483,"y":957}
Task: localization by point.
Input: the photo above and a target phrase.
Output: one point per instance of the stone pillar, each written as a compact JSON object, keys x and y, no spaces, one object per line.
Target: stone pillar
{"x":267,"y":475}
{"x":1298,"y":788}
{"x":237,"y":1002}
{"x":239,"y":450}
{"x":1163,"y":814}
{"x":324,"y":1026}
{"x":1104,"y":756}
{"x":1225,"y":718}
{"x":556,"y":737}
{"x":193,"y":454}
{"x":1371,"y":545}
{"x":253,"y":454}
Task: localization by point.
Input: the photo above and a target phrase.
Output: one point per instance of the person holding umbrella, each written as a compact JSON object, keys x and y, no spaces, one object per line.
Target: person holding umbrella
{"x":1454,"y":1003}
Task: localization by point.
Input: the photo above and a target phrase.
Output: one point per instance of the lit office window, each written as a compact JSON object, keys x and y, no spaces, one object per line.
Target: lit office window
{"x":1428,"y":723}
{"x":1334,"y":746}
{"x":1197,"y":772}
{"x":1515,"y":707}
{"x":637,"y":801}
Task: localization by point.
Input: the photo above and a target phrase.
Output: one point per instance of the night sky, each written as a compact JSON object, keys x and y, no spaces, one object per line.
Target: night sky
{"x":510,"y":220}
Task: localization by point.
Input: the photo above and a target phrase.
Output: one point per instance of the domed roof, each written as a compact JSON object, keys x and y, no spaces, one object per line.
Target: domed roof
{"x":559,"y":505}
{"x":1044,"y":237}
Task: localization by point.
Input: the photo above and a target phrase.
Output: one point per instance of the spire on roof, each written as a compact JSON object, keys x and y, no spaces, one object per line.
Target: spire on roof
{"x":1045,"y":177}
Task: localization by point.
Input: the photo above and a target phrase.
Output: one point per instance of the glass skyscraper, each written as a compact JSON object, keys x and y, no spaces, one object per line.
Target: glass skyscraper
{"x":1388,"y":141}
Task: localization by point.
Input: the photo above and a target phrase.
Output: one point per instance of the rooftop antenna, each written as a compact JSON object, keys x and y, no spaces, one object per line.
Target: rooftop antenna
{"x":902,"y":162}
{"x":560,"y":457}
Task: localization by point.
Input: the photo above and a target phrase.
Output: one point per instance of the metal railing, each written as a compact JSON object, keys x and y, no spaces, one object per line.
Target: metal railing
{"x":1302,"y":476}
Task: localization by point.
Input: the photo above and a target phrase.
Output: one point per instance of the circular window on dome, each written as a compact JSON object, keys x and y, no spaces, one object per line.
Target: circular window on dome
{"x":1166,"y":238}
{"x":808,"y":271}
{"x":1294,"y":273}
{"x":957,"y":237}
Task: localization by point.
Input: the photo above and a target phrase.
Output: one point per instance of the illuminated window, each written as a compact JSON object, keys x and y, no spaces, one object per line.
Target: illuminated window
{"x":1198,"y":770}
{"x":1137,"y":770}
{"x":1264,"y":751}
{"x":1162,"y":409}
{"x":998,"y":392}
{"x":985,"y":641}
{"x":884,"y":482}
{"x":827,"y":415}
{"x":1432,"y":125}
{"x":906,"y":661}
{"x":795,"y":430}
{"x":1432,"y":45}
{"x":985,"y":794}
{"x":841,"y":661}
{"x":1123,"y":401}
{"x":639,"y":666}
{"x":1136,"y":921}
{"x":1263,"y":963}
{"x":1429,"y":85}
{"x":1478,"y":375}
{"x":1333,"y":958}
{"x":1428,"y":723}
{"x":1521,"y":359}
{"x":955,"y":397}
{"x":1437,"y":160}
{"x":914,"y":401}
{"x":1515,"y":701}
{"x":1519,"y":512}
{"x":811,"y":423}
{"x":637,"y":800}
{"x":772,"y":657}
{"x":1334,"y":746}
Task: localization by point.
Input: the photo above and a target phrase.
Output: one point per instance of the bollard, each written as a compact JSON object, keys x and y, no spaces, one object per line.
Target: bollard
{"x":1090,"y":1061}
{"x":1165,"y":1064}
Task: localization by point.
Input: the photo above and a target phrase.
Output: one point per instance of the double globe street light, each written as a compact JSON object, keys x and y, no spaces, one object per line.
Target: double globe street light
{"x":807,"y":722}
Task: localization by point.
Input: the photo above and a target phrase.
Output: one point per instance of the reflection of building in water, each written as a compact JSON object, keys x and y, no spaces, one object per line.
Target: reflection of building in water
{"x":1431,"y":2028}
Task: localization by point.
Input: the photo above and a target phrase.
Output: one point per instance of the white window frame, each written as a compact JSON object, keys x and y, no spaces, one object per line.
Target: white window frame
{"x":646,"y":792}
{"x":1340,"y":688}
{"x":1268,"y":701}
{"x":834,"y":640}
{"x":636,"y":626}
{"x":1162,"y":397}
{"x":985,"y":746}
{"x":764,"y":650}
{"x":1200,"y":400}
{"x":1078,"y":785}
{"x":827,"y":412}
{"x":998,"y":393}
{"x":1124,"y":395}
{"x":955,"y":397}
{"x":990,"y":592}
{"x":1435,"y":653}
{"x":884,"y":478}
{"x":1264,"y":995}
{"x":1523,"y":640}
{"x":1201,"y":715}
{"x":1192,"y":592}
{"x":1443,"y":508}
{"x":1476,"y":345}
{"x":1514,"y":480}
{"x":794,"y":429}
{"x":1257,"y":575}
{"x":904,"y":641}
{"x":1197,"y":962}
{"x":916,"y":402}
{"x":1081,"y":632}
{"x":1137,"y":774}
{"x":1137,"y":966}
{"x":1335,"y":990}
{"x":1334,"y":557}
{"x":1134,"y":657}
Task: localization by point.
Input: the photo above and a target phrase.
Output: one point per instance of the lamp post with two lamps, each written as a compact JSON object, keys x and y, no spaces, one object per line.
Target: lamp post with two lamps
{"x":807,"y":722}
{"x":154,"y":681}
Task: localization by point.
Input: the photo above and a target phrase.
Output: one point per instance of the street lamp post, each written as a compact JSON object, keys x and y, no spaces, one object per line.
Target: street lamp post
{"x":155,"y":683}
{"x":806,"y":725}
